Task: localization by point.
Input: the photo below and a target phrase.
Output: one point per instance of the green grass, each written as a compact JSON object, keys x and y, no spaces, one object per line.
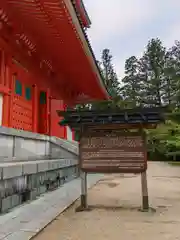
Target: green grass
{"x":174,"y":163}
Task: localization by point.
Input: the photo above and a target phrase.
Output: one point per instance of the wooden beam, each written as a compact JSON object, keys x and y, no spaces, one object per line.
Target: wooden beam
{"x":124,"y":126}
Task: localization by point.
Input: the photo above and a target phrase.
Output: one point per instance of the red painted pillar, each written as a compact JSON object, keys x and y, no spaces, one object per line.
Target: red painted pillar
{"x":48,"y":113}
{"x":5,"y":116}
{"x":11,"y":96}
{"x":65,"y":128}
{"x":35,"y":108}
{"x":5,"y":74}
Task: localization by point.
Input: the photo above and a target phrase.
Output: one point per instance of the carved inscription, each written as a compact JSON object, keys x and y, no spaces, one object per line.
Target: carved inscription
{"x":113,"y":152}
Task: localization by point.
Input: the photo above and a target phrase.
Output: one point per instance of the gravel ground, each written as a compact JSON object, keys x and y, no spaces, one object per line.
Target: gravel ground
{"x":115,"y":214}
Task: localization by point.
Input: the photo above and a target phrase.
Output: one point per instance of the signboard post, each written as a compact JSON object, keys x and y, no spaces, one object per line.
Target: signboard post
{"x":83,"y":190}
{"x":113,"y":141}
{"x":112,"y":151}
{"x":145,"y":198}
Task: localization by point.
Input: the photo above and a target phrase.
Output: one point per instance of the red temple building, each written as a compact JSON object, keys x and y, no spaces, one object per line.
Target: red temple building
{"x":46,"y":63}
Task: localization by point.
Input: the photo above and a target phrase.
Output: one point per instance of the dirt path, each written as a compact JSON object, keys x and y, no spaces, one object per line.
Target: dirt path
{"x":116,"y":200}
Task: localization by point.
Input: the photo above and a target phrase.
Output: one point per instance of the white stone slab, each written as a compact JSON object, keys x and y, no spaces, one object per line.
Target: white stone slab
{"x":29,"y":168}
{"x":12,"y":171}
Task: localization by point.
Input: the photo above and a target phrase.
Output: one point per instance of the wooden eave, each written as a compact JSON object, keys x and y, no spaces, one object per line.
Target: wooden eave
{"x":129,"y":118}
{"x":58,"y":39}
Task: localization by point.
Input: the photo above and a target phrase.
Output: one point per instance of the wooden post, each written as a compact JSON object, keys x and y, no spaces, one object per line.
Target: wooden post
{"x":83,"y":190}
{"x":35,"y":108}
{"x":83,"y":198}
{"x":145,"y":198}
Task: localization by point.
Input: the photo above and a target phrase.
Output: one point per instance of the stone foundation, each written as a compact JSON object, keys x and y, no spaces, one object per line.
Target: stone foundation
{"x":32,"y":164}
{"x":18,"y":145}
{"x":21,"y":182}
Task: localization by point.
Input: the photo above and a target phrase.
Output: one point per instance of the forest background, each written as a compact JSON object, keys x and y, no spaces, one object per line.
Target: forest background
{"x":153,"y":80}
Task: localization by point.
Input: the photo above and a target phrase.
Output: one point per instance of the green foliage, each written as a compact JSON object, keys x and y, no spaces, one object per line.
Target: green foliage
{"x":111,"y":82}
{"x":109,"y":74}
{"x":152,"y":80}
{"x":63,"y":122}
{"x":165,"y":138}
{"x":132,"y":84}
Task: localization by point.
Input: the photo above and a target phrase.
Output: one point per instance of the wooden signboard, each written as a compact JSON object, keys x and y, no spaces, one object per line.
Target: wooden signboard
{"x":113,"y":151}
{"x":106,"y":145}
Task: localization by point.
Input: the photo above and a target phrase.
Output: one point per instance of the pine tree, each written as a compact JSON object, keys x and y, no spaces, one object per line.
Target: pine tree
{"x":173,"y":72}
{"x":152,"y":72}
{"x":170,"y":83}
{"x":131,"y":89}
{"x":109,"y":74}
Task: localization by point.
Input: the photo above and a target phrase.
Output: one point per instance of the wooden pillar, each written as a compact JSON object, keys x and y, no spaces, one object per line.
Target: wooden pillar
{"x":145,"y":198}
{"x":11,"y":94}
{"x":65,"y":128}
{"x":83,"y":190}
{"x":35,"y":108}
{"x":6,"y":98}
{"x":2,"y":68}
{"x":48,"y":113}
{"x":6,"y":110}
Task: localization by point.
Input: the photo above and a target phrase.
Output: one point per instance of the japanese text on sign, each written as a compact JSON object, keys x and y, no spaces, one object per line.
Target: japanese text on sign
{"x":113,"y":152}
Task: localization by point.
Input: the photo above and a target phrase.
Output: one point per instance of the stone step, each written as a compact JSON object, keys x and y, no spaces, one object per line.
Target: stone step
{"x":16,"y":169}
{"x":20,"y":145}
{"x":24,"y":181}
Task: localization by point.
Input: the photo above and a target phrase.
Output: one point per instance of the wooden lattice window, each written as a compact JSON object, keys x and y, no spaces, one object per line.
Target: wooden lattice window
{"x":18,"y":87}
{"x":28,"y":93}
{"x":42,"y":97}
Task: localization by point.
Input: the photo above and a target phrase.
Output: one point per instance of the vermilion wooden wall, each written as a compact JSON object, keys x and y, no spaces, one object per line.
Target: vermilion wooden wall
{"x":55,"y":128}
{"x":28,"y":114}
{"x":20,"y":112}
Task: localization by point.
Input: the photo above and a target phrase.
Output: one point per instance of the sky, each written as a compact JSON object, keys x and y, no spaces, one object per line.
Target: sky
{"x":126,"y":26}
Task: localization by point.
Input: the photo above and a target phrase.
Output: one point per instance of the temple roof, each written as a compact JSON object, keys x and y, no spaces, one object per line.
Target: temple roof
{"x":145,"y":117}
{"x":49,"y":33}
{"x":84,"y":17}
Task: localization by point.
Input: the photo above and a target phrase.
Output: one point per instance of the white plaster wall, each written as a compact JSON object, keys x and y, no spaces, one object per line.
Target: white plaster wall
{"x":69,"y":134}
